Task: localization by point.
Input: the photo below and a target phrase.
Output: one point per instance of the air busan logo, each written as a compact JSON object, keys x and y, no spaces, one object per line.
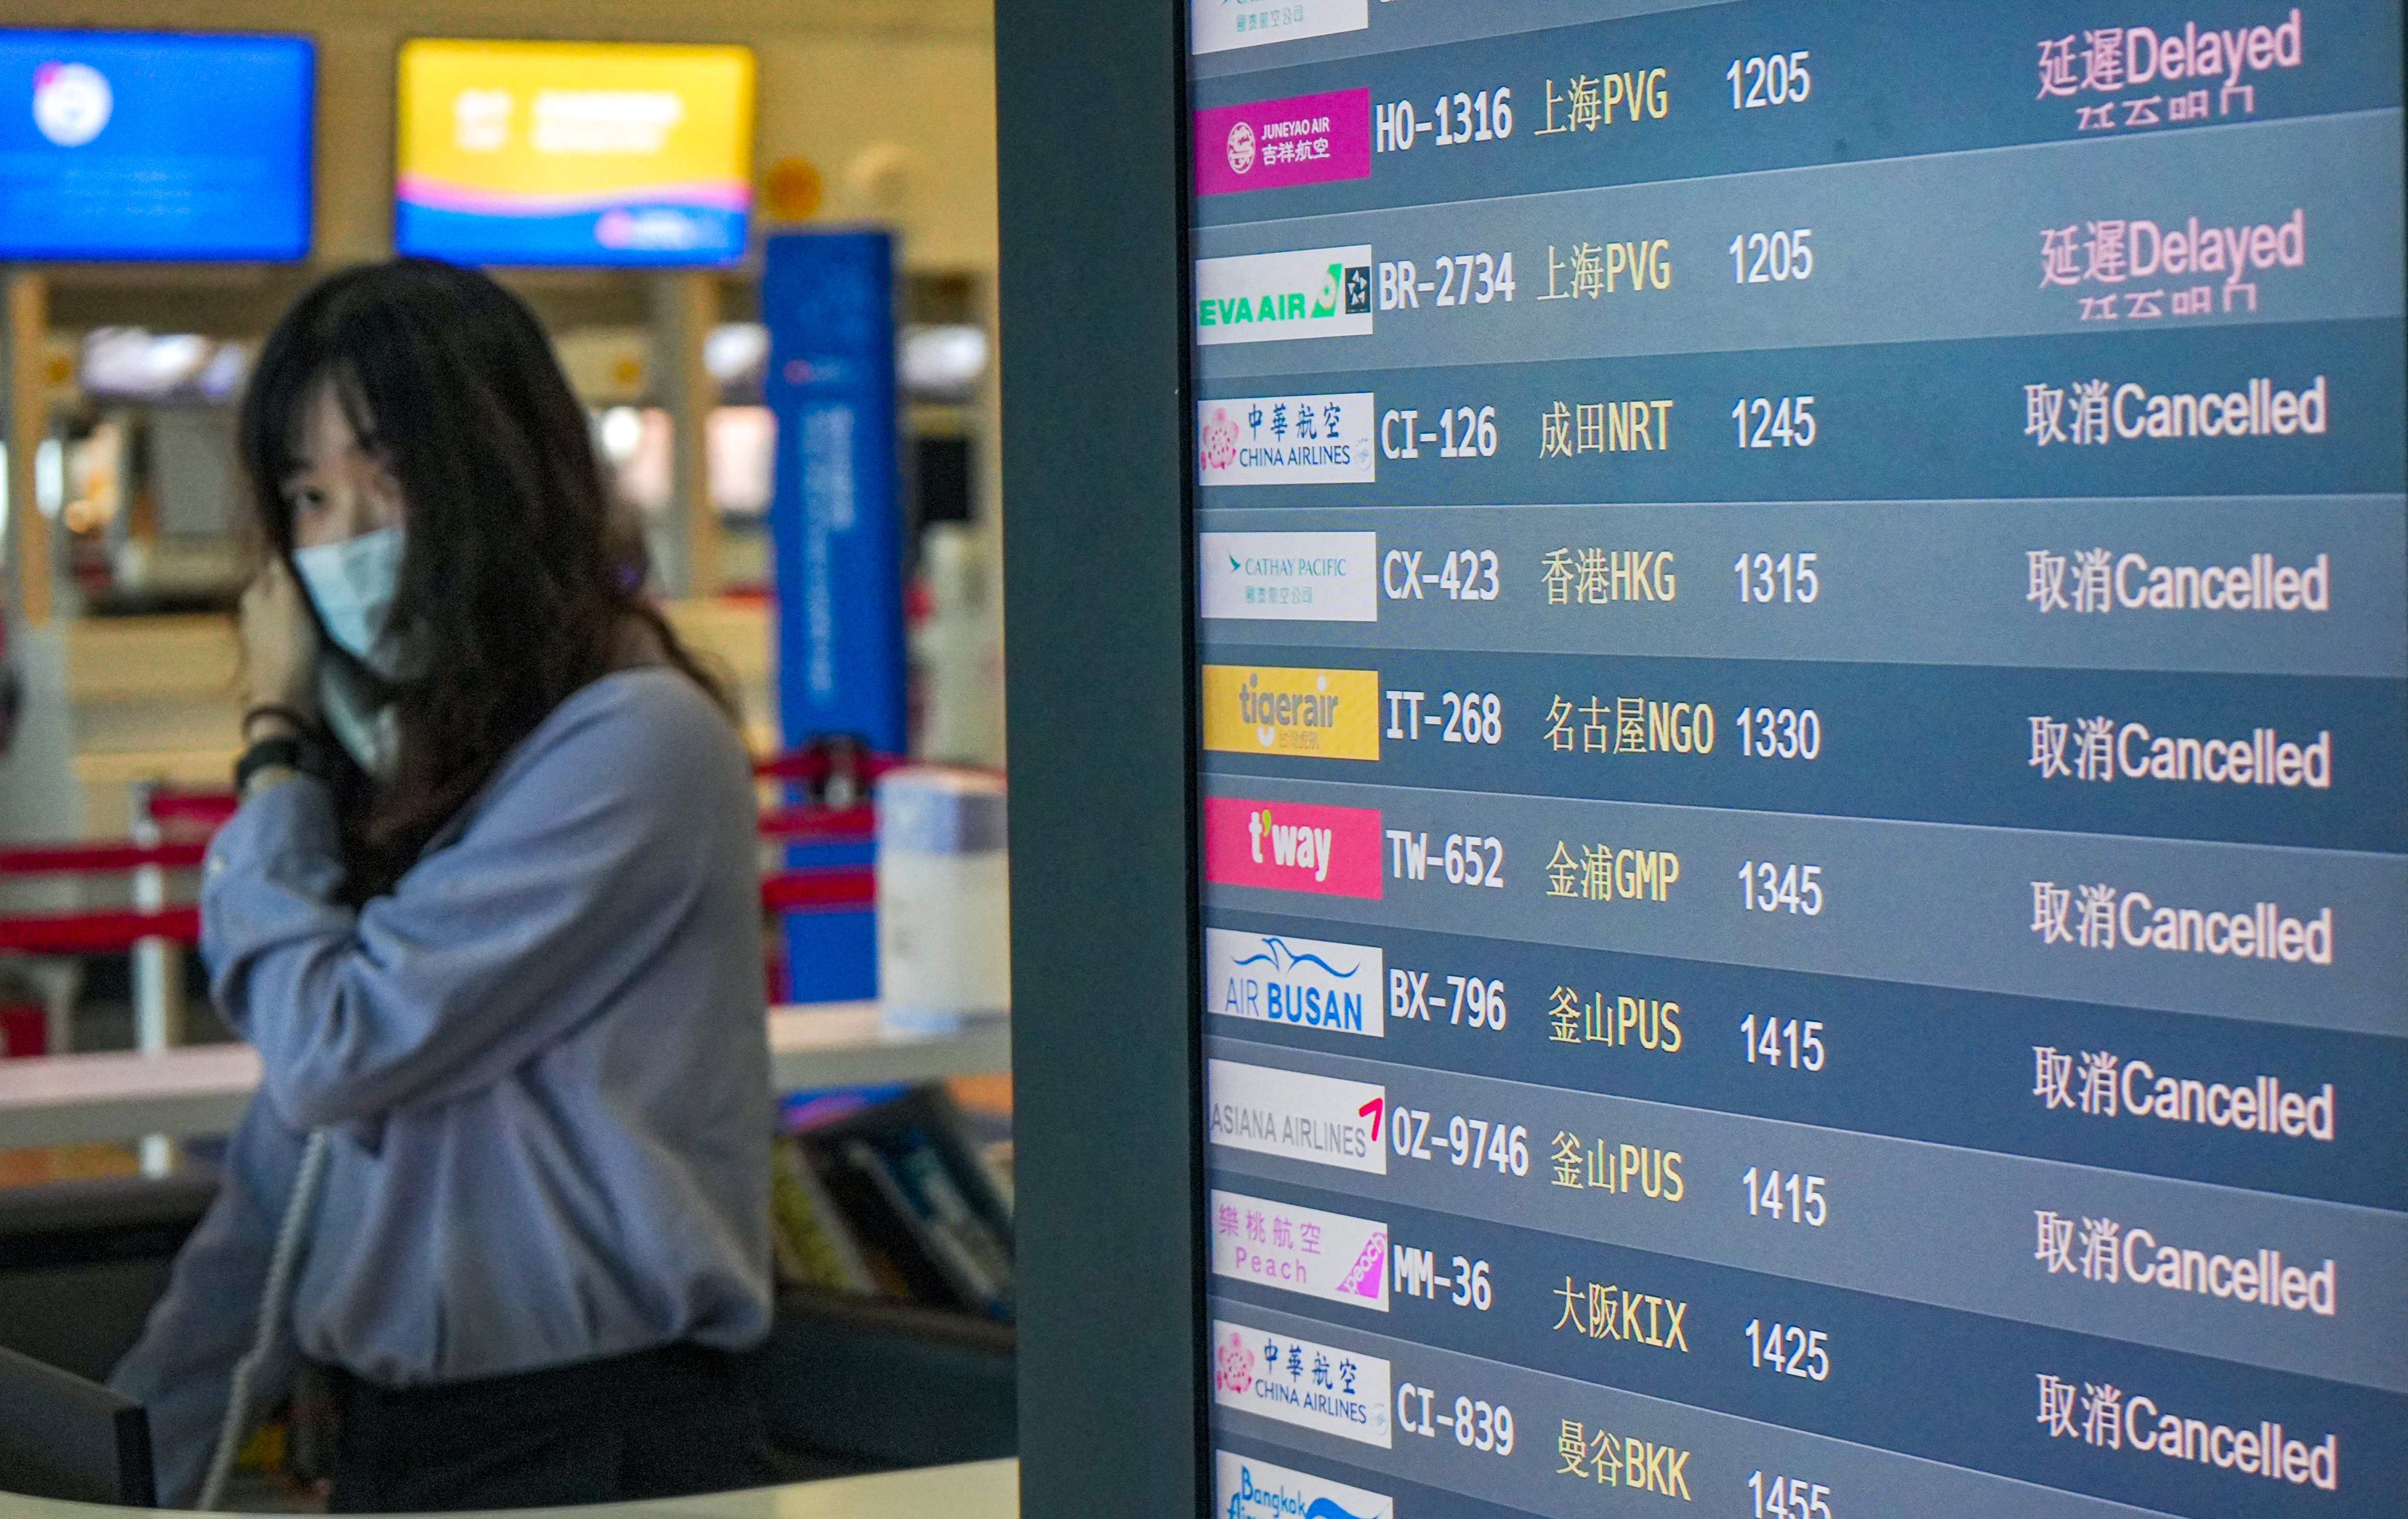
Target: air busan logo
{"x":1307,"y":982}
{"x":1291,"y":846}
{"x":1251,"y":1489}
{"x":1267,"y":297}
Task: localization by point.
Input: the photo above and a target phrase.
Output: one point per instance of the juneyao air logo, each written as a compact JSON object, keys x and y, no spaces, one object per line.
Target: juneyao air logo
{"x":1273,"y":144}
{"x":1312,"y":714}
{"x":1293,"y":846}
{"x":1265,"y":298}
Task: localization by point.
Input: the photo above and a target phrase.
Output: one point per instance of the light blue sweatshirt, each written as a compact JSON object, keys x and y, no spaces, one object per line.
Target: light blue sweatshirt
{"x":544,"y":1058}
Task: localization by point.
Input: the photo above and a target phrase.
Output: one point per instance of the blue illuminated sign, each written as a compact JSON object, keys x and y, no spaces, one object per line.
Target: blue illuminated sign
{"x":144,"y":146}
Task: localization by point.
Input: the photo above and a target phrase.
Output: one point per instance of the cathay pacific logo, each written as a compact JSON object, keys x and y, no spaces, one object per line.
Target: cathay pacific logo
{"x":1293,"y":577}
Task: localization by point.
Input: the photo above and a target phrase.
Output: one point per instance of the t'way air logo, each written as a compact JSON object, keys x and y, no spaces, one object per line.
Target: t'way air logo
{"x":1291,"y":846}
{"x":1310,"y":714}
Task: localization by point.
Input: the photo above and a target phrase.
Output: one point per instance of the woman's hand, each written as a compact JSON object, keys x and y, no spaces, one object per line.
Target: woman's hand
{"x":279,"y":644}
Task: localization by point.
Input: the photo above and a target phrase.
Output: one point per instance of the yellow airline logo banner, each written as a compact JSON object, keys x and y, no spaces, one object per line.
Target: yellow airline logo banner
{"x":1312,"y":714}
{"x":574,"y":152}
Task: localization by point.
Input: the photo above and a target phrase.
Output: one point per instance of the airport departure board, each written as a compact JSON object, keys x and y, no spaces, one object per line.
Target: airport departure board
{"x":1803,"y":614}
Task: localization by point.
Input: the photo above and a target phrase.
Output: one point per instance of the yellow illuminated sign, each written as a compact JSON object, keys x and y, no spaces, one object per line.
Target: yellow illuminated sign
{"x":1314,"y":714}
{"x":574,"y":152}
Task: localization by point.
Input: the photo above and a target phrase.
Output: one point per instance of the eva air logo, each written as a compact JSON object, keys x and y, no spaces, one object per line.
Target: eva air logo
{"x":1267,"y":297}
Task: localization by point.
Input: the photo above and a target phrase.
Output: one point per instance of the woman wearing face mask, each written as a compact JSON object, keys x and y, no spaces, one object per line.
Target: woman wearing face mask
{"x":489,"y":913}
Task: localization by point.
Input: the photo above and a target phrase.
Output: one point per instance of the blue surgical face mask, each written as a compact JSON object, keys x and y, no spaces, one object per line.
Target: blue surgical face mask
{"x":352,"y":584}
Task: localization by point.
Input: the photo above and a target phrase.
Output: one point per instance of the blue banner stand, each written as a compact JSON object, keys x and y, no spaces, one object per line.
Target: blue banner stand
{"x":835,"y":520}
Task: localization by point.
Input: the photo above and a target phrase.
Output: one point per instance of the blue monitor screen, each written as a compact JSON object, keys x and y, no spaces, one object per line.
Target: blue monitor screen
{"x":153,"y":147}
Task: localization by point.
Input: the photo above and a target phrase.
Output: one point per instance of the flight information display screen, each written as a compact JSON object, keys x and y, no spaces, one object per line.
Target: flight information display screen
{"x":154,"y":146}
{"x":1803,"y":612}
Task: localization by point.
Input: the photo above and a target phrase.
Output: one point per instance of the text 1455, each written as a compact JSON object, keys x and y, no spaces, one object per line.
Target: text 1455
{"x":1789,"y":1498}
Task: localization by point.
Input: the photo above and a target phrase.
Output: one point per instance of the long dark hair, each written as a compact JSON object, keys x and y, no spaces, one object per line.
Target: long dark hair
{"x":520,"y":580}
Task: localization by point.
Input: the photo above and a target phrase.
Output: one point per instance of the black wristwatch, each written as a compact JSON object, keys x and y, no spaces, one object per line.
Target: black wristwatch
{"x":283,"y":750}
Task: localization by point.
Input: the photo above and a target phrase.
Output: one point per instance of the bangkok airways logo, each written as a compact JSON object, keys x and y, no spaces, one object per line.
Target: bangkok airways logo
{"x":1253,"y":1489}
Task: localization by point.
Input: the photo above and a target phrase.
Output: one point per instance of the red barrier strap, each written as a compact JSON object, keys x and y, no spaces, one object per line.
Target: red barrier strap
{"x":64,"y":859}
{"x":98,"y":933}
{"x":810,"y":823}
{"x":811,"y":766}
{"x":835,"y":888}
{"x":212,"y":807}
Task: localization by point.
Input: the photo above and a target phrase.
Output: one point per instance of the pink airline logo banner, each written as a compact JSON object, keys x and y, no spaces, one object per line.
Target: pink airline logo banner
{"x":1292,"y":847}
{"x":1273,"y":144}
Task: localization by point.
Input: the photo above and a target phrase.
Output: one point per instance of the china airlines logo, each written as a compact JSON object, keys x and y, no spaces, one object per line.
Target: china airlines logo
{"x":1220,"y":441}
{"x":1233,"y":1365}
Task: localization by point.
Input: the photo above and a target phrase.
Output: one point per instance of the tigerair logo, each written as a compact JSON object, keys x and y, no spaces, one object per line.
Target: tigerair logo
{"x":1310,"y":714}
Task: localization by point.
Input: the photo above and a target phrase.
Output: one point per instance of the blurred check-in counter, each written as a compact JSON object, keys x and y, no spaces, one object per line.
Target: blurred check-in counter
{"x":849,"y":1384}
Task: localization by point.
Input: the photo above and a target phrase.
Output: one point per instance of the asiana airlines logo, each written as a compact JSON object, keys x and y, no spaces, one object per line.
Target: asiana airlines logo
{"x":1251,"y":1489}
